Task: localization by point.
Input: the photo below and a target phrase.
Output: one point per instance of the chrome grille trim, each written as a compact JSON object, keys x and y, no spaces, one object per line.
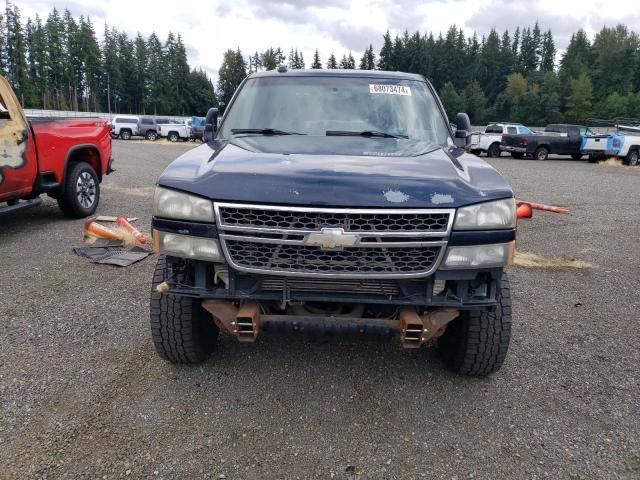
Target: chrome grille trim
{"x":378,"y":244}
{"x":218,"y":206}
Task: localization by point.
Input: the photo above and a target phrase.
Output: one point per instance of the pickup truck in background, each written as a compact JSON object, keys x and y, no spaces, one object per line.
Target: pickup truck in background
{"x":623,"y":143}
{"x":147,"y":127}
{"x":66,"y":159}
{"x":489,"y":141}
{"x":342,"y":205}
{"x":124,"y":126}
{"x":174,"y":131}
{"x":197,"y":128}
{"x":558,"y":139}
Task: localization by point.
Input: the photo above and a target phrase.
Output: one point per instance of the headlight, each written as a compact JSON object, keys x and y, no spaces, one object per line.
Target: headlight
{"x":498,"y":214}
{"x":173,"y":204}
{"x":186,"y":246}
{"x":479,"y":256}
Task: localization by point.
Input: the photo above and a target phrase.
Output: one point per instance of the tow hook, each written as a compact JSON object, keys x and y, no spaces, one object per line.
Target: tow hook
{"x":243,"y":323}
{"x":247,"y":323}
{"x":416,"y":329}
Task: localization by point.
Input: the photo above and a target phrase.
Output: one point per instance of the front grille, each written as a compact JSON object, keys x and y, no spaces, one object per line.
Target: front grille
{"x":350,"y":222}
{"x":333,"y":242}
{"x":313,"y":260}
{"x":375,"y":287}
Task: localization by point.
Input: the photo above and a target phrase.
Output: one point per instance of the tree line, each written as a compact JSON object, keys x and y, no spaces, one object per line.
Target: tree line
{"x":60,"y":64}
{"x":498,"y":77}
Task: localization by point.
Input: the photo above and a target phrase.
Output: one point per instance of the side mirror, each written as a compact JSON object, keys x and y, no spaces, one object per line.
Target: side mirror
{"x":210,"y":124}
{"x":463,"y":129}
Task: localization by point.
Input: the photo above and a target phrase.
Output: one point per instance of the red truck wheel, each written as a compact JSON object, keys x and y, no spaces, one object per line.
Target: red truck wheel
{"x":81,"y":192}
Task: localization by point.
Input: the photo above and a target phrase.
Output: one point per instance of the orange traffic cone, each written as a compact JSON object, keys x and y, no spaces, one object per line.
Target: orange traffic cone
{"x":524,"y":211}
{"x":92,"y":229}
{"x":139,"y":236}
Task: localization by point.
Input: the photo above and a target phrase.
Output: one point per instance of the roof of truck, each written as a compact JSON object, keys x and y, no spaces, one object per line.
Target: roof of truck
{"x":338,"y":73}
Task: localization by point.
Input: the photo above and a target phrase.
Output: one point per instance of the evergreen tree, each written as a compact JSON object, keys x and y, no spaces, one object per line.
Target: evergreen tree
{"x":348,"y":62}
{"x":548,"y":53}
{"x":550,"y":99}
{"x":140,"y":72}
{"x":199,"y":93}
{"x":614,"y":53}
{"x":316,"y":65}
{"x":451,"y":100}
{"x":332,"y":63}
{"x":3,"y":43}
{"x":232,"y":72}
{"x":615,"y":105}
{"x":579,"y":101}
{"x":16,"y":54}
{"x":474,"y":101}
{"x":385,"y":59}
{"x":92,"y":65}
{"x":368,"y":61}
{"x":269,"y":59}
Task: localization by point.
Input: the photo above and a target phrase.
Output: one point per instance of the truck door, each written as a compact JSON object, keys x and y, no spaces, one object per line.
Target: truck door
{"x":574,"y":139}
{"x":18,"y":163}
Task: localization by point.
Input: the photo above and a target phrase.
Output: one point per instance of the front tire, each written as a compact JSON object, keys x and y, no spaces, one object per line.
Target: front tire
{"x":81,"y":192}
{"x":476,"y":343}
{"x":182,"y":331}
{"x":542,"y":153}
{"x":632,"y":158}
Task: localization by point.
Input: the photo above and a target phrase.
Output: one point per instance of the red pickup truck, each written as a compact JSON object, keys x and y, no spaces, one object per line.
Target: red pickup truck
{"x":66,"y":159}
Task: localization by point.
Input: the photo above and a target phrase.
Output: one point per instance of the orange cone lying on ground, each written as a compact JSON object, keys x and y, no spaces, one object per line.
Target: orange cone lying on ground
{"x":93,"y":230}
{"x":139,"y":236}
{"x":525,"y":209}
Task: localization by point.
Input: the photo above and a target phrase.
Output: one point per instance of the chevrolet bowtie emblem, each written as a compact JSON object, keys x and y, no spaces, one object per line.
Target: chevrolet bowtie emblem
{"x":331,"y":239}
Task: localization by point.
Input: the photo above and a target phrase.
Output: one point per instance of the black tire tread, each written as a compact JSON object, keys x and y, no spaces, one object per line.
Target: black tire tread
{"x":67,"y":200}
{"x":180,"y":329}
{"x":478,"y":344}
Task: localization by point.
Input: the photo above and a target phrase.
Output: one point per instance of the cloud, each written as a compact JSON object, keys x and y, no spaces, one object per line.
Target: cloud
{"x":77,"y":8}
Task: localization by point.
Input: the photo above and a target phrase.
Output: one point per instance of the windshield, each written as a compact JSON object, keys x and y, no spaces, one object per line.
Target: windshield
{"x":326,"y":106}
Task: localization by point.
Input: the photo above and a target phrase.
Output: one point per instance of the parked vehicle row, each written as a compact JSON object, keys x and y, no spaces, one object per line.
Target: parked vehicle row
{"x":151,"y":128}
{"x":561,"y":139}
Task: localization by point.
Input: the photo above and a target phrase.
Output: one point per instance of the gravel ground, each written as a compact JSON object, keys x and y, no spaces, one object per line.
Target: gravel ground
{"x":83,"y":394}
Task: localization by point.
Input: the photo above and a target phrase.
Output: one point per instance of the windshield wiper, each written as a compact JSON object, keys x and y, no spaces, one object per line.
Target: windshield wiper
{"x":364,"y":133}
{"x":264,"y":131}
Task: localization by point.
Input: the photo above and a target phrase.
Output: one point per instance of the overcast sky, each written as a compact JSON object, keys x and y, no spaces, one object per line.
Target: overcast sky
{"x":209,"y":27}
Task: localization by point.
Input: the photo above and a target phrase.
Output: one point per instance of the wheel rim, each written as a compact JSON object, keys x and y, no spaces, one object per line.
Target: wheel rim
{"x":633,"y":161}
{"x":86,"y":190}
{"x":542,"y":155}
{"x":495,"y":151}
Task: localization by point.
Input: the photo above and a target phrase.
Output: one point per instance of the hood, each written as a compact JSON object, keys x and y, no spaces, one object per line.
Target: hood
{"x":368,"y":172}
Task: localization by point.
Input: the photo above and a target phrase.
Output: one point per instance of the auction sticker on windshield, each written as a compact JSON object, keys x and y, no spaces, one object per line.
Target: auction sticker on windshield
{"x":390,"y":89}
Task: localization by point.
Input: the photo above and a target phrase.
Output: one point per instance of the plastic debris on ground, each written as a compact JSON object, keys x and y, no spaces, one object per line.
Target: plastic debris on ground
{"x":120,"y":245}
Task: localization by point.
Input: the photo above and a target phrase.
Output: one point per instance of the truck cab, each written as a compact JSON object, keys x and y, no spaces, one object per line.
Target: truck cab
{"x":63,"y":158}
{"x":489,"y":141}
{"x":558,"y":139}
{"x":334,"y":202}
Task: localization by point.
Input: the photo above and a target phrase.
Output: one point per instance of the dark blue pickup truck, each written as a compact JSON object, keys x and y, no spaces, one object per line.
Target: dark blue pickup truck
{"x":334,"y":202}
